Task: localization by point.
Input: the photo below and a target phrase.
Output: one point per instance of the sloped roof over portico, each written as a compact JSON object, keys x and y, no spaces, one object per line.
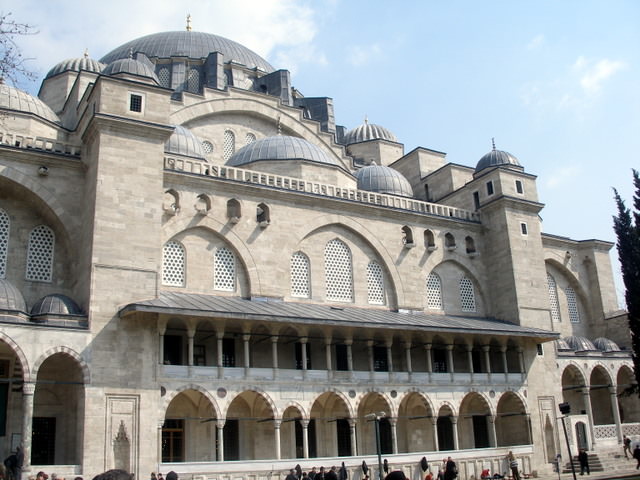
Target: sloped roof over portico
{"x":213,"y":306}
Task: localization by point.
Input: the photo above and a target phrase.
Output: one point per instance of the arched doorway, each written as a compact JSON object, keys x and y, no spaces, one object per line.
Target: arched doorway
{"x":415,"y":425}
{"x":249,"y":430}
{"x":291,"y":434}
{"x":329,"y":430}
{"x":11,"y":411}
{"x":474,"y":429}
{"x":512,"y":421}
{"x":374,"y":403}
{"x":628,"y":404}
{"x":573,"y":385}
{"x":444,"y":426}
{"x":600,"y":397}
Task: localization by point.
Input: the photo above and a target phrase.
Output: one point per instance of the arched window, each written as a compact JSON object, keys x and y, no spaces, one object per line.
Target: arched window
{"x":434,"y":292}
{"x":467,"y":295}
{"x":203,"y":204}
{"x":553,"y":298}
{"x":572,"y":304}
{"x":40,"y":254}
{"x":375,"y":284}
{"x":228,"y":145}
{"x":173,"y":264}
{"x":449,"y":241}
{"x":249,"y":138}
{"x":338,"y":271}
{"x":224,"y":270}
{"x":193,"y":81}
{"x":4,"y":242}
{"x":263,"y":215}
{"x":234,"y":212}
{"x":470,"y":245}
{"x":300,"y":275}
{"x":165,"y":77}
{"x":407,"y":237}
{"x":429,"y":240}
{"x":171,"y":202}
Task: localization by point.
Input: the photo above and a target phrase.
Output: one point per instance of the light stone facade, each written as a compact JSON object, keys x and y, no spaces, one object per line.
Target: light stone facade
{"x":161,"y":310}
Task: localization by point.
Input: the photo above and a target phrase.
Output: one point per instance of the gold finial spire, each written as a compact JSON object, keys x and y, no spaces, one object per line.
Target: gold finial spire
{"x":493,"y":143}
{"x":188,"y":22}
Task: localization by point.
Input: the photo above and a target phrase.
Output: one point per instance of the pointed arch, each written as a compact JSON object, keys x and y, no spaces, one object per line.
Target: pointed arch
{"x":84,"y":367}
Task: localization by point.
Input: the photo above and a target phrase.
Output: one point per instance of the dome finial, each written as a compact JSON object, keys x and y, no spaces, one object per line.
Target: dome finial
{"x":188,"y":22}
{"x":493,"y":143}
{"x":86,"y":53}
{"x":131,"y":53}
{"x":366,"y":120}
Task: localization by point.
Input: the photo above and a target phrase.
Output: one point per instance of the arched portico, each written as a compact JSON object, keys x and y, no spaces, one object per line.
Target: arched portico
{"x":251,"y":429}
{"x":476,"y":428}
{"x":331,"y":431}
{"x":416,"y":424}
{"x":512,"y":421}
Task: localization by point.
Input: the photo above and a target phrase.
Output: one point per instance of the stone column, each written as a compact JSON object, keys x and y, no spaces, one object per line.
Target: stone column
{"x":493,"y":441}
{"x":586,"y":397}
{"x":191,"y":333}
{"x":247,"y":353}
{"x":274,"y":355}
{"x":454,"y":425}
{"x":407,"y":353}
{"x":370,"y":349}
{"x":220,"y":424}
{"x":616,"y":412}
{"x":352,"y":431}
{"x":434,"y":433}
{"x":276,"y":430}
{"x":394,"y":434}
{"x":303,"y":351}
{"x":470,"y":360}
{"x":521,"y":362}
{"x":349,"y":343}
{"x":450,"y":366}
{"x":505,"y":365}
{"x":487,"y":359}
{"x":159,"y":447}
{"x":219,"y":337}
{"x":327,"y":356}
{"x":162,"y":328}
{"x":427,"y":349}
{"x":388,"y":346}
{"x":28,"y":391}
{"x":305,"y":438}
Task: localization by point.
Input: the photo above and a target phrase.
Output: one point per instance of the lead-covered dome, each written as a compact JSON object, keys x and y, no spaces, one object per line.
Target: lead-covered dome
{"x":497,"y":158}
{"x":606,"y":345}
{"x":280,"y":147}
{"x":191,"y":45}
{"x":562,"y":345}
{"x":10,"y":297}
{"x":183,"y":142}
{"x":381,"y":179}
{"x":580,"y":344}
{"x":130,"y":66}
{"x":368,"y":131}
{"x":13,"y":99}
{"x":56,"y":304}
{"x":75,"y":65}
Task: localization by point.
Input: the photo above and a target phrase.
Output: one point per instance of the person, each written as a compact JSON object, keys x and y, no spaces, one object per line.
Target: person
{"x":172,"y":475}
{"x":305,"y":476}
{"x":583,"y":458}
{"x":636,"y":455}
{"x":450,"y":470}
{"x":513,"y":464}
{"x":11,"y":464}
{"x":160,"y":477}
{"x":291,"y":476}
{"x":42,"y":476}
{"x":153,"y":476}
{"x":485,"y":474}
{"x":441,"y":469}
{"x":312,"y":473}
{"x":626,"y":446}
{"x":331,"y":474}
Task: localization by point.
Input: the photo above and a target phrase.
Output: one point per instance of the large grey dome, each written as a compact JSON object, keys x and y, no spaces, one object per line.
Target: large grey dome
{"x":368,"y":131}
{"x":56,"y":304}
{"x":183,"y":142}
{"x":381,"y":179}
{"x":189,"y":44}
{"x":130,"y":66}
{"x":10,"y":297}
{"x":13,"y":99}
{"x":606,"y":345}
{"x":496,"y":158}
{"x":280,"y":147}
{"x":580,"y":344}
{"x":76,"y":65}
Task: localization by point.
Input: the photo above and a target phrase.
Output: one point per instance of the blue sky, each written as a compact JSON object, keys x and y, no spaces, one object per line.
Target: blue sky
{"x":555,"y":82}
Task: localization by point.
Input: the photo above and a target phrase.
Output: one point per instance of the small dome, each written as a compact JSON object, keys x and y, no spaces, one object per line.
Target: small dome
{"x":75,"y":65}
{"x":130,"y":66}
{"x":183,"y":142}
{"x":280,"y":147}
{"x":368,"y":131}
{"x":381,"y":179}
{"x":580,"y":344}
{"x":13,"y":99}
{"x":496,"y":158}
{"x":10,"y":297}
{"x":606,"y":345}
{"x":56,"y":304}
{"x":562,"y":345}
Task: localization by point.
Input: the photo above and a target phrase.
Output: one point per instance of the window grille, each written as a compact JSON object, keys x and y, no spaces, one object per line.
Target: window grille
{"x":165,"y":77}
{"x":135,"y":102}
{"x":553,"y":298}
{"x":207,"y":146}
{"x":40,"y":254}
{"x":249,"y":138}
{"x":467,"y":295}
{"x":193,"y":81}
{"x":173,"y":264}
{"x":375,"y":284}
{"x":224,"y":270}
{"x":434,"y":292}
{"x":572,"y":304}
{"x":4,"y":242}
{"x":338,"y":272}
{"x":229,"y":145}
{"x":300,"y":275}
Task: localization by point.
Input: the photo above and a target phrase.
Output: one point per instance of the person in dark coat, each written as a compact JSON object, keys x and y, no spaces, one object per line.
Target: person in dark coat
{"x":292,"y":475}
{"x":331,"y":474}
{"x":583,"y":458}
{"x":450,"y":469}
{"x":636,"y":455}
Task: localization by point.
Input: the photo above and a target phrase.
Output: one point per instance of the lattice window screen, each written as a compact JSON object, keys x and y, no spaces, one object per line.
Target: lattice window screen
{"x":572,"y":304}
{"x":467,"y":295}
{"x":338,"y":272}
{"x":40,"y":254}
{"x":300,"y":275}
{"x":249,"y":138}
{"x":224,"y":270}
{"x":434,"y":292}
{"x":553,"y":298}
{"x":375,"y":284}
{"x":193,"y":81}
{"x":4,"y":242}
{"x":165,"y":77}
{"x":207,"y":146}
{"x":173,"y":264}
{"x":229,"y":145}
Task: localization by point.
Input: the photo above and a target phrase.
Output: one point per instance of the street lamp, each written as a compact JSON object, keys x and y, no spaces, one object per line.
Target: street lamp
{"x":376,"y":418}
{"x":565,"y":409}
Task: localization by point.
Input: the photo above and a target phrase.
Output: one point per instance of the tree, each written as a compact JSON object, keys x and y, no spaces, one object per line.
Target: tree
{"x":12,"y":62}
{"x":627,"y":228}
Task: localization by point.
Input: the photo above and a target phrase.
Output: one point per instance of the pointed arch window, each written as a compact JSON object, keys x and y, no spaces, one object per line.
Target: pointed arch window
{"x":434,"y":292}
{"x":224,"y":270}
{"x":572,"y":304}
{"x":467,"y":295}
{"x":553,"y":298}
{"x":228,"y":145}
{"x":300,"y":275}
{"x":173,"y":264}
{"x":165,"y":77}
{"x":193,"y":81}
{"x":375,"y":284}
{"x":338,"y":271}
{"x":4,"y":242}
{"x":40,"y":254}
{"x":249,"y":138}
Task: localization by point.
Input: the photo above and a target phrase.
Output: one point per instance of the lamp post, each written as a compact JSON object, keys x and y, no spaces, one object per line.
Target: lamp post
{"x":376,"y":418}
{"x":565,"y":409}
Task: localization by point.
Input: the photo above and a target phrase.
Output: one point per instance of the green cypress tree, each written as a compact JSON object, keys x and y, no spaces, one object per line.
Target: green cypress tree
{"x":627,"y":227}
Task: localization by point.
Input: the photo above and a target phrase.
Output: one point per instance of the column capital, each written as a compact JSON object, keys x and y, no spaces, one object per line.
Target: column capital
{"x":407,"y":344}
{"x":277,"y":422}
{"x":220,"y":423}
{"x":469,"y":347}
{"x":246,"y":337}
{"x":28,"y":388}
{"x":486,"y":348}
{"x":274,"y":339}
{"x":449,"y":346}
{"x":427,"y":346}
{"x":503,"y":348}
{"x":304,"y":339}
{"x":586,"y":392}
{"x":454,"y":420}
{"x":369,"y":343}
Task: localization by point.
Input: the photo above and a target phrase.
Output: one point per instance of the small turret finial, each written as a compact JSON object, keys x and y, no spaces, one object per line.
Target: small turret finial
{"x":279,"y":126}
{"x":86,"y":53}
{"x":366,"y":120}
{"x":493,"y":143}
{"x":188,"y":22}
{"x":130,"y":52}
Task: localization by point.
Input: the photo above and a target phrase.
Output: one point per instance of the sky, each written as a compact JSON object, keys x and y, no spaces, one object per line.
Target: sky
{"x":556,"y":83}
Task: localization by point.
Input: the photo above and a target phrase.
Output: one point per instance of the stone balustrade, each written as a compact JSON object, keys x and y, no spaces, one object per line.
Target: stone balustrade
{"x":39,"y":143}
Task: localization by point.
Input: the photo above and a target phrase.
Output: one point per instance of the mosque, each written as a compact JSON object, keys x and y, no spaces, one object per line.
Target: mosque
{"x":201,"y":271}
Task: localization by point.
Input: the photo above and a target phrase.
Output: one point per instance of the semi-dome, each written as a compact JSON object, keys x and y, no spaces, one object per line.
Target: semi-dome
{"x":368,"y":131}
{"x":191,"y":45}
{"x":606,"y":345}
{"x":496,"y":158}
{"x":580,"y":344}
{"x":381,"y":179}
{"x":562,"y":345}
{"x":130,"y":66}
{"x":280,"y":147}
{"x":183,"y":142}
{"x":13,"y":99}
{"x":56,"y":304}
{"x":10,"y":297}
{"x":75,"y":65}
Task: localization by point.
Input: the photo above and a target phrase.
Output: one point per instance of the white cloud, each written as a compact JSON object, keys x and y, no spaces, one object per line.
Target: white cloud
{"x":358,"y":55}
{"x":593,"y":74}
{"x":536,"y":42}
{"x":561,"y":176}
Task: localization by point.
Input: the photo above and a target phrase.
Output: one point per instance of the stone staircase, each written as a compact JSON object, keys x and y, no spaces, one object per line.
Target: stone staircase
{"x":603,"y":461}
{"x":595,"y":464}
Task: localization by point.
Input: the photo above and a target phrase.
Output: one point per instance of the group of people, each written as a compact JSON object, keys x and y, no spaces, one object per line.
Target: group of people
{"x":332,"y":473}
